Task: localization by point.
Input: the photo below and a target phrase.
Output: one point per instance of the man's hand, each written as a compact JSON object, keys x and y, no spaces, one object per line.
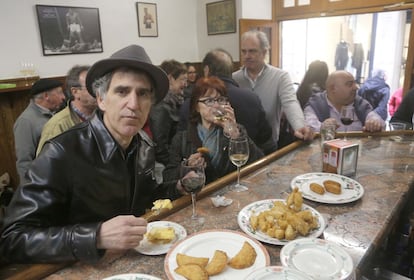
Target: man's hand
{"x":373,"y":125}
{"x":304,"y":133}
{"x":121,"y":233}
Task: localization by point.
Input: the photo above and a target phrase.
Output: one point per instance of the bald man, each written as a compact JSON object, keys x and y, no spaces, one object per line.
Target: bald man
{"x":341,"y":90}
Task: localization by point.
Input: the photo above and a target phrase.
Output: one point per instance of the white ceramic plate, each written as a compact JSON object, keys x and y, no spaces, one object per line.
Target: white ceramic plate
{"x":351,"y":189}
{"x":277,"y":273}
{"x":318,"y":258}
{"x":259,"y":206}
{"x":204,"y":243}
{"x":134,"y":276}
{"x":147,"y":248}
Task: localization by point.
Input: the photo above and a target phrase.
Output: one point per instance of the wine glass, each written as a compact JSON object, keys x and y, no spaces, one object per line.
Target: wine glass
{"x":220,"y":115}
{"x":347,"y":117}
{"x":239,"y":154}
{"x":192,"y":178}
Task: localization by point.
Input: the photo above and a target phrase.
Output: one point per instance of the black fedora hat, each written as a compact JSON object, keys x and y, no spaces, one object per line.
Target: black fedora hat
{"x":133,"y":56}
{"x":43,"y":85}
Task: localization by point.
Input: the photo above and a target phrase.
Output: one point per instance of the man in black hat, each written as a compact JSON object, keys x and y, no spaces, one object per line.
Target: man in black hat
{"x":89,"y":184}
{"x":47,"y":97}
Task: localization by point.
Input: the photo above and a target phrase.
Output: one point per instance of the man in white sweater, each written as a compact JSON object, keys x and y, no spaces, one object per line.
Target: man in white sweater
{"x":273,"y":85}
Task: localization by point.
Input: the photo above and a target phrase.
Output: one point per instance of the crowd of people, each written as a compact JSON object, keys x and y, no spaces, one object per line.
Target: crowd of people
{"x":94,"y":172}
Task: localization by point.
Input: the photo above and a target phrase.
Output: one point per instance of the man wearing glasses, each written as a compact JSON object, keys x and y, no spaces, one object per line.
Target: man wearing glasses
{"x":81,"y":106}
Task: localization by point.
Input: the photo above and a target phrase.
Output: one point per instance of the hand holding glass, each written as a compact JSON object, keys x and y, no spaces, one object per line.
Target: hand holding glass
{"x":239,"y":154}
{"x":192,"y":180}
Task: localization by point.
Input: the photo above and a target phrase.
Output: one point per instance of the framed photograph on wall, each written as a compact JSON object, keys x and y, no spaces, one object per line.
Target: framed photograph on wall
{"x":147,"y":19}
{"x":69,"y":30}
{"x":221,"y":17}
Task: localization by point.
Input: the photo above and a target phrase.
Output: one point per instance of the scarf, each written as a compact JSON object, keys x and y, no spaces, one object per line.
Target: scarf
{"x":210,"y":139}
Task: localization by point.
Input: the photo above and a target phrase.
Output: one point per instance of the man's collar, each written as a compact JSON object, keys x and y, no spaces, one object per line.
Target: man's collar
{"x":246,"y":72}
{"x":43,"y":110}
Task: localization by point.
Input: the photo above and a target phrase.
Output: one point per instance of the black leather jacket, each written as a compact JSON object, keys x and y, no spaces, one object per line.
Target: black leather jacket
{"x":81,"y":178}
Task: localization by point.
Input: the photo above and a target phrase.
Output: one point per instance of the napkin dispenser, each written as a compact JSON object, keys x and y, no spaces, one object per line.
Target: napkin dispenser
{"x":340,"y":157}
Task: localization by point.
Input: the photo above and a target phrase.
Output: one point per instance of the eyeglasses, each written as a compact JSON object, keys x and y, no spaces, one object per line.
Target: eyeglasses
{"x":210,"y":101}
{"x":80,"y":87}
{"x":191,"y":72}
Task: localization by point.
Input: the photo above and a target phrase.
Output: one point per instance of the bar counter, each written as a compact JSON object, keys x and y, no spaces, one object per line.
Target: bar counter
{"x":385,"y":170}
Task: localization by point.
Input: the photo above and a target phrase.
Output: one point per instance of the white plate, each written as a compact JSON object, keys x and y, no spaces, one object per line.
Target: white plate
{"x":318,"y":258}
{"x":134,"y":276}
{"x":147,"y":248}
{"x":277,"y":273}
{"x":259,"y":206}
{"x":204,"y":243}
{"x":351,"y":189}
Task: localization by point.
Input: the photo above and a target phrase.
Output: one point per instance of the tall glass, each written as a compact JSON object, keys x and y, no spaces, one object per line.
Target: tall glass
{"x":347,"y":117}
{"x":192,"y":178}
{"x":239,"y":154}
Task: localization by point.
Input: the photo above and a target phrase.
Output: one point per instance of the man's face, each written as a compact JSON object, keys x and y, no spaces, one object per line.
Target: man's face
{"x":82,"y":96}
{"x":126,"y":105}
{"x":252,"y":55}
{"x":345,"y":89}
{"x":177,"y":85}
{"x":55,"y":99}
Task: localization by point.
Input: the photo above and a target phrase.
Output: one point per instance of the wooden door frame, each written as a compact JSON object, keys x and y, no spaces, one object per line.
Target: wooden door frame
{"x":325,"y":8}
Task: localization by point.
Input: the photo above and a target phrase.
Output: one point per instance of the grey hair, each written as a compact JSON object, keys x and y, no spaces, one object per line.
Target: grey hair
{"x":72,"y":78}
{"x":260,"y":35}
{"x":101,"y":85}
{"x":379,"y":73}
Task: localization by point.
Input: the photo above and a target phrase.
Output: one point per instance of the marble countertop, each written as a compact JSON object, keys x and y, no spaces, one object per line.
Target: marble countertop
{"x":385,"y":170}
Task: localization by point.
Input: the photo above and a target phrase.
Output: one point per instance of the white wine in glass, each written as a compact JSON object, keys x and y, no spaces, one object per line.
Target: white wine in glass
{"x":192,"y":178}
{"x":239,"y":155}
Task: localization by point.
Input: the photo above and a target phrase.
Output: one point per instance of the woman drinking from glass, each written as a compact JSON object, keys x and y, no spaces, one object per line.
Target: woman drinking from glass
{"x":206,"y":140}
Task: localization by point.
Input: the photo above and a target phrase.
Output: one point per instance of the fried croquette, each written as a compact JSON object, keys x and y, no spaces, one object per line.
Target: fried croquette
{"x":332,"y":186}
{"x":315,"y":187}
{"x":244,"y":258}
{"x":217,"y":264}
{"x":203,"y":150}
{"x":192,"y":272}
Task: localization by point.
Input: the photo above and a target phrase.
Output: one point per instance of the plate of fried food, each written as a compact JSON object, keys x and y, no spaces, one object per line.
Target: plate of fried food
{"x":328,"y":187}
{"x":277,"y":273}
{"x":215,"y":254}
{"x":277,"y":221}
{"x":318,"y":258}
{"x":160,"y":236}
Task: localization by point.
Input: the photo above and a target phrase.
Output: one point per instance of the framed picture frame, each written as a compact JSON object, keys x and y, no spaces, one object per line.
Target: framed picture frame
{"x":147,"y":19}
{"x":221,"y":17}
{"x":69,"y":30}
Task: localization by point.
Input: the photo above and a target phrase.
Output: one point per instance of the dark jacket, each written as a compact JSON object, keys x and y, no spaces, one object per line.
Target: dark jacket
{"x":164,"y":119}
{"x":321,"y":108}
{"x":80,"y":179}
{"x":186,"y":142}
{"x":341,"y":55}
{"x":405,"y":110}
{"x":377,"y":92}
{"x":249,"y":112}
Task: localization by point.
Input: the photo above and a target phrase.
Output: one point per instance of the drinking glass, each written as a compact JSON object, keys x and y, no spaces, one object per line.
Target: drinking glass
{"x":219,"y":113}
{"x":239,"y":154}
{"x":192,"y":178}
{"x":347,"y":117}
